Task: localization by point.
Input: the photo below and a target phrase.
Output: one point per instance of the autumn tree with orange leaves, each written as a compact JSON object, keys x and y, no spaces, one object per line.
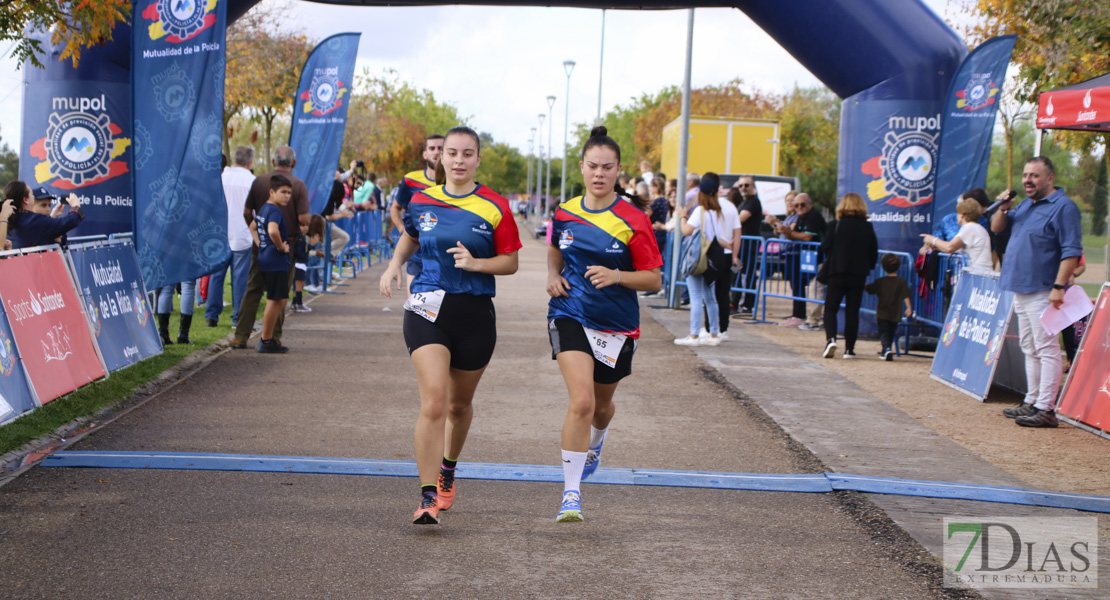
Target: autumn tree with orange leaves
{"x":264,"y":65}
{"x":388,"y":120}
{"x":72,"y":25}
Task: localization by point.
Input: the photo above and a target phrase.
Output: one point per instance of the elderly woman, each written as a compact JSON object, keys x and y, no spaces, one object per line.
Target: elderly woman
{"x":851,"y":251}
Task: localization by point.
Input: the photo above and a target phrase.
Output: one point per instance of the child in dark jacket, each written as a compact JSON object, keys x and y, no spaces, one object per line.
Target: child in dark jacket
{"x":894,"y":302}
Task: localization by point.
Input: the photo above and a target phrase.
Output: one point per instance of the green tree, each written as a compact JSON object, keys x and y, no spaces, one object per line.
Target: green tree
{"x":73,"y":25}
{"x":388,"y":121}
{"x":1060,"y":43}
{"x":1099,"y":201}
{"x":809,"y":132}
{"x":9,"y":164}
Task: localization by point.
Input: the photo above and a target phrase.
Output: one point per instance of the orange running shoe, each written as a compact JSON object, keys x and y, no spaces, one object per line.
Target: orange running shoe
{"x":445,"y":489}
{"x":428,"y":513}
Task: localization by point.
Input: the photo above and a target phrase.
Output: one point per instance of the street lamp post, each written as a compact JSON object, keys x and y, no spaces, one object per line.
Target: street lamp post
{"x":568,"y":65}
{"x":547,"y":178}
{"x":539,"y":168}
{"x":528,"y":188}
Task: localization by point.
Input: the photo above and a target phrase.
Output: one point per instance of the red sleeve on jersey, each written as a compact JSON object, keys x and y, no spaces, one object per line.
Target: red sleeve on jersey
{"x":644,"y":248}
{"x":506,"y":238}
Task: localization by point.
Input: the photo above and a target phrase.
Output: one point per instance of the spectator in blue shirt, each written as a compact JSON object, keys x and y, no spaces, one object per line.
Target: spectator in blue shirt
{"x":28,"y":228}
{"x":1044,"y":249}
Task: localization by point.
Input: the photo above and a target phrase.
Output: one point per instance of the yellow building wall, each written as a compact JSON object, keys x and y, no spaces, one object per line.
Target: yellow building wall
{"x":723,"y":146}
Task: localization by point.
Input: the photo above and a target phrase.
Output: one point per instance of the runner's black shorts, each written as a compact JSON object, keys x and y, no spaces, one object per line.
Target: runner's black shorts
{"x":277,"y":284}
{"x":298,"y":274}
{"x":466,"y":325}
{"x":567,"y":334}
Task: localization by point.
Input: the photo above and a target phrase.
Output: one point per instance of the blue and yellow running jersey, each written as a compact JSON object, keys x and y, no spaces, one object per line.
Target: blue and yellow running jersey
{"x":415,"y":181}
{"x":481,"y":220}
{"x":619,"y":237}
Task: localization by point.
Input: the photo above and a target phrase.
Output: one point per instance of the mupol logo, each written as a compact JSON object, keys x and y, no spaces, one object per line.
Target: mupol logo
{"x":180,"y":20}
{"x":427,"y":221}
{"x":325,"y":93}
{"x":80,"y":147}
{"x":566,"y":238}
{"x":979,"y":92}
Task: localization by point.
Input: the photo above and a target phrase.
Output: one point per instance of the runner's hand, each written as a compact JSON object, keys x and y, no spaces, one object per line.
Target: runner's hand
{"x":558,"y":286}
{"x":464,"y":260}
{"x":601,"y":277}
{"x":392,"y":274}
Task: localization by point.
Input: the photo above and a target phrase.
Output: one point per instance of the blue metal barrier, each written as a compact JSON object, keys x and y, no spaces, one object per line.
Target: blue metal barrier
{"x":753,"y":263}
{"x":797,"y":263}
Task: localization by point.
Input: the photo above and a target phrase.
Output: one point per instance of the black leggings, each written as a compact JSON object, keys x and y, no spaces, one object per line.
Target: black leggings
{"x":848,"y":288}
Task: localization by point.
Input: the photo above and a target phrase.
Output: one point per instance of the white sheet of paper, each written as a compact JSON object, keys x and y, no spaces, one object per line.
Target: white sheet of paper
{"x":1076,"y":306}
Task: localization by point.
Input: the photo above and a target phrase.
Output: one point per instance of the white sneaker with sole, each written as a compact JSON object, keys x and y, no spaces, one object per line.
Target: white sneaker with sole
{"x":687,"y":341}
{"x":710,"y":341}
{"x":830,"y":350}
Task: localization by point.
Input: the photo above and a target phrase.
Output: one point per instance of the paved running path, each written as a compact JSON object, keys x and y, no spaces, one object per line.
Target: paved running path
{"x":347,"y":390}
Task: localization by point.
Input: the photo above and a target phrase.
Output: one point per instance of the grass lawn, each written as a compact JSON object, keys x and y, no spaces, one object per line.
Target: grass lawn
{"x":121,"y":384}
{"x":1094,"y":246}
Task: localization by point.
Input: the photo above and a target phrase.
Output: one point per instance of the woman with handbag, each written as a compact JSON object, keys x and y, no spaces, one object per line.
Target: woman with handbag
{"x":851,"y":251}
{"x":708,"y":220}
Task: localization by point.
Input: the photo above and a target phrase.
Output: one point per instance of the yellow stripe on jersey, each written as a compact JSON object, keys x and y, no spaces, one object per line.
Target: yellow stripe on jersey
{"x":606,"y":221}
{"x":420,"y":177}
{"x":472,"y":203}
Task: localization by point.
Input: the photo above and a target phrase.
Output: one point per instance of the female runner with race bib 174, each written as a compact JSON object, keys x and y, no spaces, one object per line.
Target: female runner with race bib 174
{"x":603,"y":251}
{"x":465,"y":235}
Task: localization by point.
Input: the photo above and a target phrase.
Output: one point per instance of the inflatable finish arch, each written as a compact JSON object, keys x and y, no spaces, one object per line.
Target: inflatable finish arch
{"x":890,"y":60}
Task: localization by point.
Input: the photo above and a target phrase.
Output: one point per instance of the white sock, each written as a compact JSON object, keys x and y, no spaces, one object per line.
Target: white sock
{"x":597,"y":436}
{"x":573,"y":463}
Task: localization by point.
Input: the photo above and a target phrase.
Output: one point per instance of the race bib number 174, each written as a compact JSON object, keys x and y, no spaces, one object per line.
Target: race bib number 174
{"x":425,"y":304}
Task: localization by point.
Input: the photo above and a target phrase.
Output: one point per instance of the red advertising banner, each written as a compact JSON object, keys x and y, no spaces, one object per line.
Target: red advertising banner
{"x":1086,"y":394}
{"x":47,"y":323}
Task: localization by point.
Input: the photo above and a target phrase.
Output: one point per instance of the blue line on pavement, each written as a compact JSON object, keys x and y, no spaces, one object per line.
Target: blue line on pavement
{"x":816,"y":483}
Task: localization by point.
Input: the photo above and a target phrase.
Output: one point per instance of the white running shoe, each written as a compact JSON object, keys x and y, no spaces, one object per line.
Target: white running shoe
{"x":687,"y":341}
{"x":710,"y":341}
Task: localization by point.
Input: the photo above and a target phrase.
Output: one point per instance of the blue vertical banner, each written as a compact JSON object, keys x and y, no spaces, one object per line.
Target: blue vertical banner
{"x":110,"y":284}
{"x":888,"y":150}
{"x":320,"y":114}
{"x":177,"y":95}
{"x":974,"y":334}
{"x":77,"y":131}
{"x":968,"y":122}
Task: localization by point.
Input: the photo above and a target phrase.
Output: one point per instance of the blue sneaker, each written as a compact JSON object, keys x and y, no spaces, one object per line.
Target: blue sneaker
{"x":593,"y":458}
{"x":571,"y":510}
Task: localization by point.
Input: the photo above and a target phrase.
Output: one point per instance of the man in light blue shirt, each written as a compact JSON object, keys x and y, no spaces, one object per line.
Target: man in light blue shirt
{"x":1045,"y":244}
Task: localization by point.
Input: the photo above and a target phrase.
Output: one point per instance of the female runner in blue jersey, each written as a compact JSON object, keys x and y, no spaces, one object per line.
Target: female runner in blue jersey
{"x":603,"y":251}
{"x":465,"y":235}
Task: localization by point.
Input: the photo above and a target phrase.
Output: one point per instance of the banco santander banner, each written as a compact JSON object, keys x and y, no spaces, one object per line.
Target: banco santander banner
{"x":888,"y":155}
{"x":77,"y":135}
{"x":48,"y":324}
{"x":969,"y":115}
{"x":177,"y":83}
{"x":115,"y":301}
{"x":320,"y":114}
{"x":16,"y":396}
{"x":974,"y":331}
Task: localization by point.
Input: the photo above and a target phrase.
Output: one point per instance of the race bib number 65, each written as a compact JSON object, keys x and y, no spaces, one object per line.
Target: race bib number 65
{"x":606,"y":346}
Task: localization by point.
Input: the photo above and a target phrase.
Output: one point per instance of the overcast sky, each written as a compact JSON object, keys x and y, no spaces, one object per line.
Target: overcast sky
{"x":498,"y":64}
